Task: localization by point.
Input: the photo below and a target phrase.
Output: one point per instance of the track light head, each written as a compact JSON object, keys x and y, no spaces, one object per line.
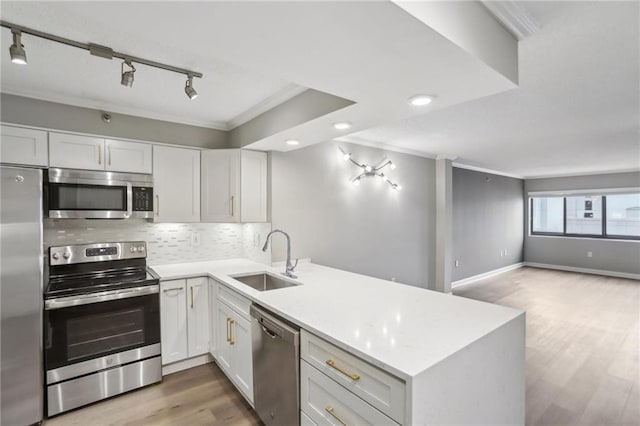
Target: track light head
{"x":188,"y":88}
{"x":17,"y":52}
{"x":127,"y":76}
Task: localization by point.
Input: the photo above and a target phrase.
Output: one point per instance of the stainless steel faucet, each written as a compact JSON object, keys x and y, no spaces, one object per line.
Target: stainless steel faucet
{"x":289,"y":267}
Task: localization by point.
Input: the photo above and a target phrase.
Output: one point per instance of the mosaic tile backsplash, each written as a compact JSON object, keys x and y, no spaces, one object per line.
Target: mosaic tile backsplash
{"x":167,"y":242}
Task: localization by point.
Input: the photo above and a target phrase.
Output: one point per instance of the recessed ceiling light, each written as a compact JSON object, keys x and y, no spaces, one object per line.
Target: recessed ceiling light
{"x":293,"y":142}
{"x":420,"y":100}
{"x":342,"y":125}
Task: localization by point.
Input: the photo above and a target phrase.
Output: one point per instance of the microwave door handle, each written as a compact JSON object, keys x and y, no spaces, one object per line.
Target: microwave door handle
{"x":129,"y":200}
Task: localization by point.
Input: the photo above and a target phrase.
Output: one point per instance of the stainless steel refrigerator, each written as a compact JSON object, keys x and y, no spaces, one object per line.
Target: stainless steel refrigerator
{"x":21,"y":278}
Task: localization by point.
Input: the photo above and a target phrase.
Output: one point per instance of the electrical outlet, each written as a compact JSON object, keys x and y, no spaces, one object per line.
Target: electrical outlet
{"x":501,"y":253}
{"x":195,"y":239}
{"x":589,"y":254}
{"x":457,"y":263}
{"x":505,"y":252}
{"x":393,"y":279}
{"x":256,"y":239}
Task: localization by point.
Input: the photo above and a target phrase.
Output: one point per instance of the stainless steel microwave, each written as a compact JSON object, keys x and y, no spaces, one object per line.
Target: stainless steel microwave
{"x":85,"y":194}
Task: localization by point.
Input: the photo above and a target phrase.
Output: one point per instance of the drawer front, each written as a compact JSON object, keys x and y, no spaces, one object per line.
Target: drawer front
{"x":378,"y":388}
{"x":305,"y":420}
{"x":234,"y":300}
{"x":328,"y":403}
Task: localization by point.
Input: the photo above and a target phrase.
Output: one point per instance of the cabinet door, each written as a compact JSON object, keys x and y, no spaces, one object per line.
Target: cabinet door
{"x":253,"y":192}
{"x":198,"y":315}
{"x":213,"y":344}
{"x":173,"y":317}
{"x":132,"y":157}
{"x":176,"y":176}
{"x":76,"y":152}
{"x":223,"y":325}
{"x":242,"y":357}
{"x":220,"y":185}
{"x":23,"y":146}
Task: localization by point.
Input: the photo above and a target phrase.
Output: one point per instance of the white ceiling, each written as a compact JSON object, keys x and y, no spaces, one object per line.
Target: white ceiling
{"x":576,"y":109}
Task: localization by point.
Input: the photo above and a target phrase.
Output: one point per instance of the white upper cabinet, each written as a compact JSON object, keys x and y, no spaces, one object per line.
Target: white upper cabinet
{"x":234,"y":186}
{"x":124,"y":156}
{"x":89,"y":153}
{"x":76,"y":152}
{"x":23,"y":146}
{"x":220,"y":185}
{"x":253,"y":188}
{"x":176,"y":177}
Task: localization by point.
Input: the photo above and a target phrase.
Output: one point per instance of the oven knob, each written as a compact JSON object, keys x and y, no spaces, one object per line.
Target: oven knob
{"x":141,"y":249}
{"x":133,"y":249}
{"x":55,"y":256}
{"x":66,"y":255}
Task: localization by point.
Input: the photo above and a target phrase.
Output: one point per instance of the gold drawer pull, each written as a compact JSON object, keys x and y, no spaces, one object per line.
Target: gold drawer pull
{"x":228,"y":330}
{"x":331,"y":363}
{"x":167,"y":290}
{"x":231,"y":341}
{"x":329,"y":410}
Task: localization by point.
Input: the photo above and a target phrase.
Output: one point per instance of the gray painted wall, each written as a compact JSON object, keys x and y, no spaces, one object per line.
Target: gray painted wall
{"x":51,"y":115}
{"x":487,"y":219}
{"x":369,"y":229}
{"x":618,"y":256}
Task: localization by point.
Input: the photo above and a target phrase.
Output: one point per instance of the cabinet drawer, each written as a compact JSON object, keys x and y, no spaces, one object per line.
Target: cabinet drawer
{"x":328,"y":403}
{"x":234,"y":300}
{"x":378,"y":388}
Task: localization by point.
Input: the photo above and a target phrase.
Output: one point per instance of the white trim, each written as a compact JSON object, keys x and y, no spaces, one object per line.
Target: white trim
{"x":290,"y":91}
{"x":602,"y":191}
{"x":446,"y":157}
{"x":186,"y":363}
{"x":514,"y":16}
{"x":607,"y":239}
{"x":136,"y":112}
{"x":383,"y":146}
{"x":592,"y":173}
{"x":483,"y":170}
{"x":584,"y":270}
{"x":484,"y":275}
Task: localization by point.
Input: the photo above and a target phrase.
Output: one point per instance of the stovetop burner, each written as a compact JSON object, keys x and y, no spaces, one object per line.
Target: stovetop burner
{"x":93,"y":268}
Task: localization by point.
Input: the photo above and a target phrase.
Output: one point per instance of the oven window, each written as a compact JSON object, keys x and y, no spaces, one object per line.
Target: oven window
{"x":80,"y":333}
{"x":110,"y":331}
{"x":87,"y":197}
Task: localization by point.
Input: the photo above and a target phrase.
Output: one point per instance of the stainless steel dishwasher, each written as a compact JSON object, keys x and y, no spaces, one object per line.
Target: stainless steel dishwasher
{"x":276,"y":368}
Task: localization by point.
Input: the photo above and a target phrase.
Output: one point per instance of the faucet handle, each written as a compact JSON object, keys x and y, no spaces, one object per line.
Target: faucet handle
{"x":295,"y":264}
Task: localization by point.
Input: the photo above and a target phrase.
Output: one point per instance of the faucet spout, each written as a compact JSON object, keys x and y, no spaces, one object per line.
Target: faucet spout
{"x":289,"y":268}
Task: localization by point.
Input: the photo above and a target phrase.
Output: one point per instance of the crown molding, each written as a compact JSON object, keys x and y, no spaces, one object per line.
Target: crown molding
{"x":514,"y":17}
{"x":586,"y":173}
{"x":85,"y":103}
{"x":265,"y":105}
{"x":483,"y":170}
{"x":446,"y":157}
{"x":383,"y":146}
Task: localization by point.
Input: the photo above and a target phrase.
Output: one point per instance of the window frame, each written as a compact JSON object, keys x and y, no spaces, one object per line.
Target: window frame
{"x":603,"y":236}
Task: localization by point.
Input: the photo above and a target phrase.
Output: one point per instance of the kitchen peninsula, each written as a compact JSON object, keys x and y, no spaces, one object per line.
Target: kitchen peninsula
{"x":424,"y":357}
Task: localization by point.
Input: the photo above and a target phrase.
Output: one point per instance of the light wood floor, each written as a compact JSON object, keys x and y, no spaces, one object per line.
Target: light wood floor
{"x":198,"y":396}
{"x":582,"y":360}
{"x":582,"y":343}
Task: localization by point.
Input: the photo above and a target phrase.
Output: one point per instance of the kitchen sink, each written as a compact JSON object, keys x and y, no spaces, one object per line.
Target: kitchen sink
{"x":264,"y":281}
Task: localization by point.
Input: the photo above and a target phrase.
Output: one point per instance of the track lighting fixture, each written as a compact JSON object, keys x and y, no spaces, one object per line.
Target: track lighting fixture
{"x":127,"y":76}
{"x":188,"y":88}
{"x":18,"y":55}
{"x":371,"y":171}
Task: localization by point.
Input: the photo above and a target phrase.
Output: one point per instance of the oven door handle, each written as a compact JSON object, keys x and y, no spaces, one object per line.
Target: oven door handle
{"x":105,"y":296}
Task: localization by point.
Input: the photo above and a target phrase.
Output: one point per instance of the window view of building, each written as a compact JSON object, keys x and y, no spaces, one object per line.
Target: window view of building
{"x":623,"y":214}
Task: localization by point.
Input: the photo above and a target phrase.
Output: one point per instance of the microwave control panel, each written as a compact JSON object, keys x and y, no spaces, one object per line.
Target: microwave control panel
{"x":142,"y":199}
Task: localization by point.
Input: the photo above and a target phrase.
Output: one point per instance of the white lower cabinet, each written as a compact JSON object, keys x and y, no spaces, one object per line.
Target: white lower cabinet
{"x":184,"y":316}
{"x":233,"y":340}
{"x":305,"y":420}
{"x":327,"y":403}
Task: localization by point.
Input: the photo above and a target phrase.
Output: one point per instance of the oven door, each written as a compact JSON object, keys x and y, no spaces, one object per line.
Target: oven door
{"x":82,"y":337}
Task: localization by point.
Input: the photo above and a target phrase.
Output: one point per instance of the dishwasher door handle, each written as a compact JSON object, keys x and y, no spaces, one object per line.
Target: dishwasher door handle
{"x":270,"y":333}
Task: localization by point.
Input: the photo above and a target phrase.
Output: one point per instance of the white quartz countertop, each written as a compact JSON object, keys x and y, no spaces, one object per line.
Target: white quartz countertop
{"x":402,"y":329}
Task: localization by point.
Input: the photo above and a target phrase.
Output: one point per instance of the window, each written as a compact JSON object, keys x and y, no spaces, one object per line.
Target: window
{"x":584,"y":215}
{"x":602,"y":216}
{"x":548,"y":215}
{"x":623,"y":215}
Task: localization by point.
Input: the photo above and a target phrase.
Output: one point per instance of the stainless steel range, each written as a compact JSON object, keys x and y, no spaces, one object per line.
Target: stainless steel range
{"x":101,"y":323}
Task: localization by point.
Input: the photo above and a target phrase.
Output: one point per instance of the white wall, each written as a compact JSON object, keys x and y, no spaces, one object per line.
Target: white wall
{"x":369,"y":229}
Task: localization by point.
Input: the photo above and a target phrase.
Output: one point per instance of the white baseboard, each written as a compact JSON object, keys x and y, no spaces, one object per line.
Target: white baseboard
{"x":484,"y":275}
{"x":584,"y":270}
{"x":186,"y":363}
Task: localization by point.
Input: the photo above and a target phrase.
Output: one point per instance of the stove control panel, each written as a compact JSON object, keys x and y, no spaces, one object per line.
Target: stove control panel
{"x":98,"y":252}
